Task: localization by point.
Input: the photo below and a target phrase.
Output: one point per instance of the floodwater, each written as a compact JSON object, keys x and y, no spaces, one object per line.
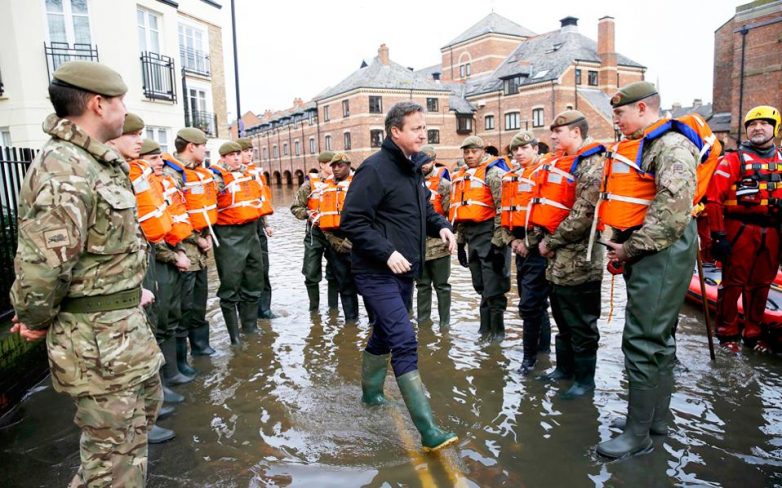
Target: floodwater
{"x":284,"y":409}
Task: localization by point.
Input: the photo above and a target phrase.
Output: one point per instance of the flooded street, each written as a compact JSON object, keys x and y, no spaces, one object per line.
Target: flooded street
{"x":284,"y":408}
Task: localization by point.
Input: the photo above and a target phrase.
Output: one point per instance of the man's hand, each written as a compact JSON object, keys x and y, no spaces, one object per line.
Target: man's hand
{"x":29,"y":335}
{"x":182,"y":262}
{"x":398,"y":263}
{"x":447,"y":236}
{"x":544,"y":250}
{"x":616,"y":252}
{"x":204,"y":243}
{"x":519,"y":247}
{"x":147,"y":297}
{"x":461,"y":255}
{"x":269,"y":231}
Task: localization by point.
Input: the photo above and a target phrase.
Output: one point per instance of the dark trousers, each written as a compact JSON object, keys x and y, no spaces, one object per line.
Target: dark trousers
{"x":340,"y":264}
{"x":534,"y":290}
{"x":169,"y":300}
{"x":195,"y":289}
{"x":576,"y":310}
{"x":239,"y":264}
{"x":265,"y":302}
{"x":315,"y":246}
{"x":435,"y":273}
{"x":392,"y":332}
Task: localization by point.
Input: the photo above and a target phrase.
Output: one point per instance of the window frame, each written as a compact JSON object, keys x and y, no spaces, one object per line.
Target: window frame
{"x":327,"y":142}
{"x":432,"y":104}
{"x":345,"y":108}
{"x":435,"y":133}
{"x":379,"y":100}
{"x":326,"y":117}
{"x":154,"y":132}
{"x":593,"y":75}
{"x":486,"y":120}
{"x":538,"y":117}
{"x":380,"y":136}
{"x":312,"y":145}
{"x":70,"y":30}
{"x":147,"y":13}
{"x":347,"y":142}
{"x":512,"y":120}
{"x":578,"y":79}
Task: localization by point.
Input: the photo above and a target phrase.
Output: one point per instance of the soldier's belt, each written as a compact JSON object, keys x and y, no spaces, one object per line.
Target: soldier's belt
{"x":102,"y":303}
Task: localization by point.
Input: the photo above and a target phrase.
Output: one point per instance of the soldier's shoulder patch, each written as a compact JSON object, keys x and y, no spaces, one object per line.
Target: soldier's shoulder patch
{"x":677,"y":167}
{"x":56,"y":238}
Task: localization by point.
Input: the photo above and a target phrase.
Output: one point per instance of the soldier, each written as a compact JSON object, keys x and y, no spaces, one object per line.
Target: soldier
{"x":197,"y":185}
{"x":329,"y":220}
{"x":655,"y":239}
{"x":386,"y":214}
{"x":569,"y":183}
{"x":238,"y":257}
{"x":305,"y":207}
{"x":531,"y":282}
{"x":79,"y":265}
{"x":746,"y":239}
{"x":475,"y":199}
{"x":437,"y":264}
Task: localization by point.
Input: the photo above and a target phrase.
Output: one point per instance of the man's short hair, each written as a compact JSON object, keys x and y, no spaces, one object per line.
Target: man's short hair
{"x":583,"y":126}
{"x":314,"y":171}
{"x":69,"y":101}
{"x":396,"y":116}
{"x":492,"y":151}
{"x":180,"y":144}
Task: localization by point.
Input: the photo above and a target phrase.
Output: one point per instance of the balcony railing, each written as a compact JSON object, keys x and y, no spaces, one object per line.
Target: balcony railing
{"x":157,"y":73}
{"x":206,"y":121}
{"x":58,"y":53}
{"x":194,"y":61}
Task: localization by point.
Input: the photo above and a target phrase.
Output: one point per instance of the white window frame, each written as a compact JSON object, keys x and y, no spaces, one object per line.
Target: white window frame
{"x":297,"y":147}
{"x":67,"y":13}
{"x":5,"y":136}
{"x":535,"y":121}
{"x":508,"y":118}
{"x":486,"y":119}
{"x":182,"y":38}
{"x":148,"y":30}
{"x":154,"y":132}
{"x":312,"y":145}
{"x":327,"y":142}
{"x":346,"y":137}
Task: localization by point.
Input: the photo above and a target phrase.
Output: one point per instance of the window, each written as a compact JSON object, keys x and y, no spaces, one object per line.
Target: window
{"x":375,"y":105}
{"x":275,"y":152}
{"x":192,"y":49}
{"x":488,"y":122}
{"x":200,"y":116}
{"x":578,"y":76}
{"x":327,"y":141}
{"x":433,"y":136}
{"x":568,"y":107}
{"x":326,"y":114}
{"x":311,"y":116}
{"x":537,"y":117}
{"x":511,"y":121}
{"x":468,"y":70}
{"x":376,"y":138}
{"x":346,"y":108}
{"x":432,"y":105}
{"x":159,"y":134}
{"x":312,"y":145}
{"x":285,"y":149}
{"x":5,"y":136}
{"x":297,"y":147}
{"x":464,"y":124}
{"x":68,"y":21}
{"x":592,"y":80}
{"x":265,"y":153}
{"x":511,"y":85}
{"x":462,"y":71}
{"x":148,"y":30}
{"x":346,"y":141}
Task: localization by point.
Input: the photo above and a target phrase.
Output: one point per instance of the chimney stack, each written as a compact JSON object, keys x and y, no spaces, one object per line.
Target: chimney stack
{"x":606,"y":51}
{"x":569,"y":24}
{"x":382,"y":53}
{"x":697,"y":103}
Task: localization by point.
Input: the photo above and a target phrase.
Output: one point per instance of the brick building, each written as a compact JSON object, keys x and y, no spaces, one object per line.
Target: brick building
{"x":494,"y":79}
{"x":747,"y":66}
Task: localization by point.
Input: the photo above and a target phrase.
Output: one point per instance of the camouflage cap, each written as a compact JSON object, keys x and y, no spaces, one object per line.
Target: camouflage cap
{"x":90,"y":76}
{"x":325,"y":157}
{"x":632,"y":93}
{"x":133,"y":123}
{"x":340,"y":157}
{"x":192,"y":135}
{"x":149,"y":146}
{"x":522,"y":138}
{"x":245,"y":142}
{"x":567,"y":117}
{"x":229,"y":147}
{"x":429,"y":151}
{"x":471,"y":142}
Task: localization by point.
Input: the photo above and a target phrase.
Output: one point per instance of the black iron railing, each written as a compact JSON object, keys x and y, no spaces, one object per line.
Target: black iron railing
{"x":206,"y":121}
{"x":157,"y":73}
{"x":62,"y":52}
{"x":194,"y":61}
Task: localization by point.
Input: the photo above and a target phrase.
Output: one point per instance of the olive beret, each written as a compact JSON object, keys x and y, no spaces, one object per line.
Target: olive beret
{"x":133,"y":123}
{"x":632,"y":93}
{"x":471,"y":142}
{"x":421,"y":158}
{"x":429,"y":151}
{"x":325,"y":157}
{"x":566,"y":118}
{"x":90,"y":76}
{"x":340,"y":158}
{"x":245,"y":142}
{"x":523,"y":138}
{"x":192,"y":135}
{"x":229,"y":147}
{"x":149,"y":146}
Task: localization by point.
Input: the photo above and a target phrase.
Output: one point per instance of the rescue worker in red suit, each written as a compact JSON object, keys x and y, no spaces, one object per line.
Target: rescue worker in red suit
{"x":744,"y":207}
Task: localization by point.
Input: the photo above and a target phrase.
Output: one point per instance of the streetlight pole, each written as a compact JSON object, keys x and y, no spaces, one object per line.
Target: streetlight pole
{"x":239,"y":125}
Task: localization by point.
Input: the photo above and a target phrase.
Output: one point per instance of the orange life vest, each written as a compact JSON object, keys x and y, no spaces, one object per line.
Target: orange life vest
{"x":317,"y":184}
{"x":200,"y":193}
{"x":518,"y":189}
{"x":471,"y":198}
{"x":151,"y":206}
{"x":263,"y":188}
{"x":332,"y":201}
{"x":239,"y":202}
{"x":627,"y":191}
{"x":177,"y":209}
{"x":433,"y":184}
{"x":556,"y":187}
{"x":759,"y":191}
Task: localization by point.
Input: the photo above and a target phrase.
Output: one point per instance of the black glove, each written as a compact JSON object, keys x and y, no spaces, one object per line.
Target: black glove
{"x":461,"y":255}
{"x":497,"y":256}
{"x":720,"y":246}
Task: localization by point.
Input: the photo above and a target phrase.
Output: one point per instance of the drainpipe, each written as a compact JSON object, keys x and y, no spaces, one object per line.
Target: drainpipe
{"x":743,"y":33}
{"x":290,"y":150}
{"x":553,"y":100}
{"x":317,"y":123}
{"x":303,"y":150}
{"x":499,"y":121}
{"x":575,"y":86}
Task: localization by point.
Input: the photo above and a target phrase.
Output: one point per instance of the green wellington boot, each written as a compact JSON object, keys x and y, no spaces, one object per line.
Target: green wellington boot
{"x":170,"y":371}
{"x":313,"y":293}
{"x":423,"y":307}
{"x":199,"y":341}
{"x":172,"y":397}
{"x":181,"y":357}
{"x":497,"y":319}
{"x":661,"y":408}
{"x":565,"y":366}
{"x":248,"y":317}
{"x":158,"y":434}
{"x":432,"y":437}
{"x":584,"y":374}
{"x":635,"y":439}
{"x":485,"y":327}
{"x":333,"y":294}
{"x":231,"y":322}
{"x":444,"y":308}
{"x":373,"y":377}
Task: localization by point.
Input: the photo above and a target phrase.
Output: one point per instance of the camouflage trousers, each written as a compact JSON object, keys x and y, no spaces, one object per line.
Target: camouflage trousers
{"x":114,"y":429}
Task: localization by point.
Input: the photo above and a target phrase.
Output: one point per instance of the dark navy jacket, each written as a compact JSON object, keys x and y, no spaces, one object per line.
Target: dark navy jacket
{"x":387,"y":209}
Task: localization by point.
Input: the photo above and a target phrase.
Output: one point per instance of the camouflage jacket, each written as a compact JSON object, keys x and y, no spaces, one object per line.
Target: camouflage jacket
{"x":192,"y":251}
{"x":501,"y":237}
{"x":299,"y":205}
{"x":673,"y":159}
{"x":569,"y":266}
{"x":79,"y":236}
{"x":435,"y":247}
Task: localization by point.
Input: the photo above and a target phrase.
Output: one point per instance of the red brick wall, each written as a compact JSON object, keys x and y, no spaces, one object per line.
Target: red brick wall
{"x":484,"y":55}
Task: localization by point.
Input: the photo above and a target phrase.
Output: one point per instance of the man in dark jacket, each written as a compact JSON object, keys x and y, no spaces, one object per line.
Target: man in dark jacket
{"x":387,"y":216}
